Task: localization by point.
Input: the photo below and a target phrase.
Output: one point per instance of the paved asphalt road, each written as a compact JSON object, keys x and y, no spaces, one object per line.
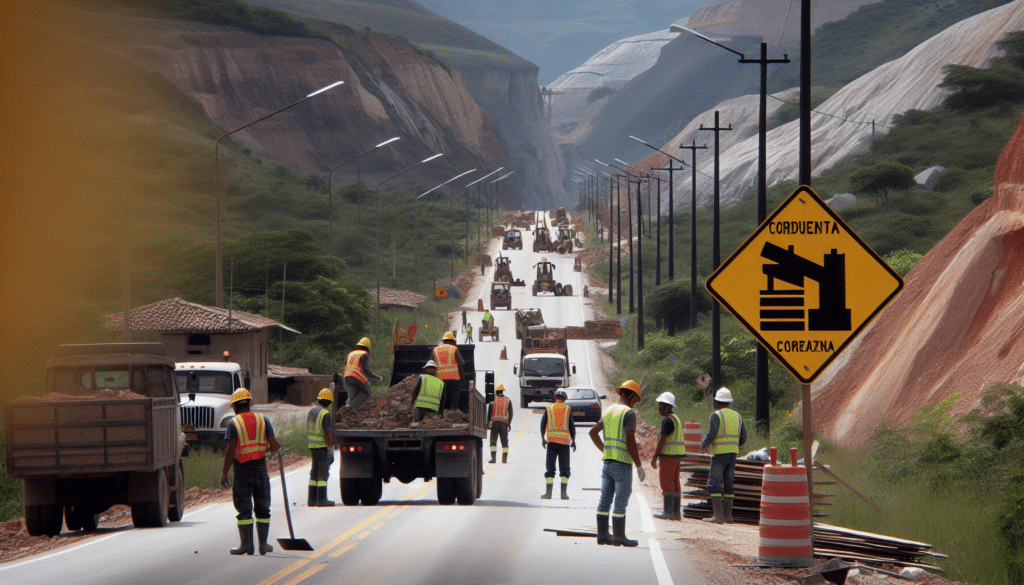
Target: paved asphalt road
{"x":408,"y":537}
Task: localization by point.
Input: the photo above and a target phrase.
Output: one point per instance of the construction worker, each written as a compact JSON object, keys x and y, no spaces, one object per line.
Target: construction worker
{"x":669,"y":454}
{"x":469,"y":333}
{"x":450,"y":369}
{"x":726,"y":433}
{"x":427,"y":394}
{"x":249,"y":435}
{"x":558,"y":431}
{"x":488,"y":323}
{"x":357,"y":370}
{"x":620,"y":452}
{"x":499,"y":417}
{"x":321,"y":449}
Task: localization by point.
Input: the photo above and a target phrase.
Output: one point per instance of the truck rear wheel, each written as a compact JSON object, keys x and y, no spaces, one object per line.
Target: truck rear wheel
{"x":350,"y":491}
{"x":177,"y":508}
{"x":153,"y":514}
{"x":370,"y":489}
{"x":44,"y":520}
{"x":445,"y":491}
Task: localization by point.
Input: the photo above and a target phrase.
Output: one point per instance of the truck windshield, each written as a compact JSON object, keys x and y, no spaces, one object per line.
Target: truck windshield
{"x":209,"y":382}
{"x":544,"y":367}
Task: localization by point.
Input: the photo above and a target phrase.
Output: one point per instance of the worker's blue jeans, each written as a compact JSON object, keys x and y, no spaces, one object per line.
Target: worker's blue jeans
{"x":251,"y":490}
{"x":720,"y":475}
{"x":617,"y":482}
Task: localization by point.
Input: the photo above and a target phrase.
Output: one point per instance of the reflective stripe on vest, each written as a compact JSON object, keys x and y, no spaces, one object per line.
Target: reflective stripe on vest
{"x":728,"y":438}
{"x":430,"y":393}
{"x":252,"y":436}
{"x":558,"y":424}
{"x":352,"y":366}
{"x":674,"y":444}
{"x":499,"y":411}
{"x":614,"y":421}
{"x":315,"y":427}
{"x":447,"y":365}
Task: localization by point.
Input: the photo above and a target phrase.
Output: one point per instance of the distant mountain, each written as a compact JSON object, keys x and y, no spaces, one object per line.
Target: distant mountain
{"x":559,"y":36}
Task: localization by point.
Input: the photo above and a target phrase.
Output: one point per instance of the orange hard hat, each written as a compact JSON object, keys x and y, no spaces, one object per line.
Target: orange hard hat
{"x":630,"y":385}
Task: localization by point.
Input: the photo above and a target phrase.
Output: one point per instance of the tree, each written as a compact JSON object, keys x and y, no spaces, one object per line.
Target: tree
{"x":880,"y":177}
{"x":1012,"y":45}
{"x":670,"y":302}
{"x":974,"y":89}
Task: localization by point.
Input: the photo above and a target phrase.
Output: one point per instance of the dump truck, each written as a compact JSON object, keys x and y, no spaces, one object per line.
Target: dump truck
{"x":501,"y":295}
{"x":503,"y":272}
{"x":107,"y":432}
{"x":543,"y":365}
{"x":542,"y":240}
{"x":206,"y":389}
{"x":513,"y":239}
{"x":453,"y":457}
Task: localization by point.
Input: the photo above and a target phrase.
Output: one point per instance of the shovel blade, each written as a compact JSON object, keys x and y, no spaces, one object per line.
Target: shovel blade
{"x":294,"y":544}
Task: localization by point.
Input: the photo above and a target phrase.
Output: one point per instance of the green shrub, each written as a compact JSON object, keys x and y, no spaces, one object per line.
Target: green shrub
{"x":902,"y":260}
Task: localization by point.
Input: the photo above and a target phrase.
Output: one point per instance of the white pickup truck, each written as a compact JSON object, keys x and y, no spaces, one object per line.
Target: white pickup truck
{"x":205,"y":389}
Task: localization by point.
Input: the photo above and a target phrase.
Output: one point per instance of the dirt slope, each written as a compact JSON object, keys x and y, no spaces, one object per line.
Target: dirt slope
{"x":956,"y":328}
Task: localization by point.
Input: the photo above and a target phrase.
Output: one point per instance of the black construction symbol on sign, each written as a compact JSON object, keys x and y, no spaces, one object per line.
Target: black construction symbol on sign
{"x":831,"y":314}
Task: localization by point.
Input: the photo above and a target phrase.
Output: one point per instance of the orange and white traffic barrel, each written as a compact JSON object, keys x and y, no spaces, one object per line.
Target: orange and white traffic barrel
{"x":691,"y":437}
{"x":785,"y":529}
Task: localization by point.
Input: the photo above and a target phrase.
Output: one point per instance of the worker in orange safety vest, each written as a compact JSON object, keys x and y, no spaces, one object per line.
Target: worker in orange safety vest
{"x":450,"y":369}
{"x":249,"y":436}
{"x":357,"y":374}
{"x":499,"y":417}
{"x":558,"y":432}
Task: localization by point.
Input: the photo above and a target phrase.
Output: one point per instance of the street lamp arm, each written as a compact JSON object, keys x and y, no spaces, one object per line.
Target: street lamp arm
{"x":483,"y":177}
{"x":677,"y":28}
{"x":388,"y":141}
{"x":505,"y":176}
{"x":659,"y":150}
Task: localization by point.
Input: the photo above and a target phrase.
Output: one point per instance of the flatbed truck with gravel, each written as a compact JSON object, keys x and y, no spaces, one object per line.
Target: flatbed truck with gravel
{"x":107,"y":432}
{"x":451,"y":455}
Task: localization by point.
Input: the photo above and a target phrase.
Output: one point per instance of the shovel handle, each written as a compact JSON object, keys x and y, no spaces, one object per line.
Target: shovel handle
{"x":284,"y":488}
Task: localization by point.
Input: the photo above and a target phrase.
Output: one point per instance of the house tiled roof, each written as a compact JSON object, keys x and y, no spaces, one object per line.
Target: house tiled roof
{"x":180,"y":316}
{"x":393,"y":297}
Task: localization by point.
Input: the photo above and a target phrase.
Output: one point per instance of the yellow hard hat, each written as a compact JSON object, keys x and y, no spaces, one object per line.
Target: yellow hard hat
{"x":543,"y":259}
{"x":240,"y":395}
{"x":448,"y":335}
{"x":325,"y":394}
{"x":365,"y":342}
{"x":500,"y":388}
{"x":630,"y":385}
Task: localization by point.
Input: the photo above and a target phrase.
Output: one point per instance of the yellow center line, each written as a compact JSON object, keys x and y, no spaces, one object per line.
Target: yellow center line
{"x":342,"y":550}
{"x":364,"y":535}
{"x":308,"y":573}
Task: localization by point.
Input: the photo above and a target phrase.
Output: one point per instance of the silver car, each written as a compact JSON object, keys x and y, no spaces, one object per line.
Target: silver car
{"x":585,"y":403}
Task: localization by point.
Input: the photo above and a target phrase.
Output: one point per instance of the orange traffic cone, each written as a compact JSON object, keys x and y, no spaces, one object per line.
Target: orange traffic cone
{"x":480,"y":305}
{"x":504,"y":356}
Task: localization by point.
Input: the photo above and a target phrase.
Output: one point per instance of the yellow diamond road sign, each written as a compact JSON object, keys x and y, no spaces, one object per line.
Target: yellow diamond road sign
{"x":804,"y":284}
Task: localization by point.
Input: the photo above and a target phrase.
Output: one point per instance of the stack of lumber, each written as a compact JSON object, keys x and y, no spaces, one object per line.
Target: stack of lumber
{"x":746,"y":485}
{"x":602,"y":329}
{"x":856,"y":546}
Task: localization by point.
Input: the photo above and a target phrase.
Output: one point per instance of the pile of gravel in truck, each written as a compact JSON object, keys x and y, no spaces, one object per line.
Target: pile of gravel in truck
{"x":393,"y":410}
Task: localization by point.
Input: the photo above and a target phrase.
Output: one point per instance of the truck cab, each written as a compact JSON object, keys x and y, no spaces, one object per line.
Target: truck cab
{"x":541,"y":373}
{"x":206,"y":389}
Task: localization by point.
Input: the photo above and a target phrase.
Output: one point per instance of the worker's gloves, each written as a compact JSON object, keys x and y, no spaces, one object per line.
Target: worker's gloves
{"x":641,"y":473}
{"x":574,"y":446}
{"x":543,"y":444}
{"x":224,"y":480}
{"x":378,"y":376}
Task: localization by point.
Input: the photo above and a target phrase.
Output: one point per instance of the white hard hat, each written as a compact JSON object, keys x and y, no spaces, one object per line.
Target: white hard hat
{"x":723,"y":395}
{"x":430,"y":364}
{"x":668,"y":398}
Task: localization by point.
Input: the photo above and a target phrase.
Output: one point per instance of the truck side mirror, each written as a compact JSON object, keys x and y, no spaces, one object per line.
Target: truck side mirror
{"x":247,"y":381}
{"x":192,"y":384}
{"x":515,"y":370}
{"x":574,"y":368}
{"x":489,"y":385}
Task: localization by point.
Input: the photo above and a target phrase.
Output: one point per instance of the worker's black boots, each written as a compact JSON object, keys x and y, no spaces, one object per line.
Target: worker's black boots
{"x":677,"y":505}
{"x":670,"y":510}
{"x":321,"y":498}
{"x":602,"y":529}
{"x":619,"y":532}
{"x":717,"y":507}
{"x":311,"y":497}
{"x":547,"y":493}
{"x":494,"y":457}
{"x":565,"y":491}
{"x":245,"y":535}
{"x":504,"y":457}
{"x":262,"y":530}
{"x":727,"y":509}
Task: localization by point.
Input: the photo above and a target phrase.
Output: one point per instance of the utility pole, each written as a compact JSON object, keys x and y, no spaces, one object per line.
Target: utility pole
{"x":611,"y":240}
{"x":629,"y":217}
{"x":693,"y":229}
{"x":657,"y":261}
{"x":618,"y":253}
{"x":640,"y":272}
{"x":671,"y":242}
{"x":716,"y":309}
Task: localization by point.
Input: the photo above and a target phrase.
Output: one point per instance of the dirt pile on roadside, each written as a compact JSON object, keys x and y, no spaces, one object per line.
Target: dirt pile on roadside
{"x":393,"y":410}
{"x":105,"y":394}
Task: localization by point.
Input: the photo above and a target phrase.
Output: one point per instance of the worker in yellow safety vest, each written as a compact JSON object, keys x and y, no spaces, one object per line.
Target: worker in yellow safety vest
{"x":427,"y":393}
{"x":726,"y":434}
{"x":558,"y":432}
{"x":499,"y":417}
{"x":249,"y":436}
{"x":620,"y":452}
{"x":450,"y":369}
{"x":320,"y":439}
{"x":669,"y":454}
{"x":357,"y":374}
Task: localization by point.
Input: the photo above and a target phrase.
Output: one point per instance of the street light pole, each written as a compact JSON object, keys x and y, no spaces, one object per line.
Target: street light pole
{"x":218,"y":261}
{"x":330,"y":209}
{"x":377,"y":197}
{"x":415,"y":229}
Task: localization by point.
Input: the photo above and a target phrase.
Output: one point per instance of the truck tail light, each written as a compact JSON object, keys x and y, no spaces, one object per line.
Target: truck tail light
{"x":595,"y":405}
{"x":352,"y":448}
{"x":454,"y":447}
